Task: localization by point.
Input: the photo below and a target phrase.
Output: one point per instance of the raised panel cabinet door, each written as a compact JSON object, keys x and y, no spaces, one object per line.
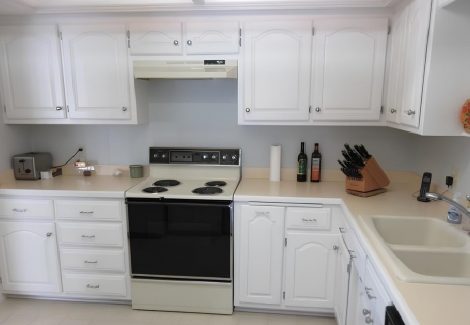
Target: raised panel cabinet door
{"x":163,"y":38}
{"x":417,"y":26}
{"x":29,"y":261}
{"x":31,"y":73}
{"x":212,"y":37}
{"x":310,"y":270}
{"x":261,"y":240}
{"x":276,"y":66}
{"x":96,"y":70}
{"x":348,"y":69}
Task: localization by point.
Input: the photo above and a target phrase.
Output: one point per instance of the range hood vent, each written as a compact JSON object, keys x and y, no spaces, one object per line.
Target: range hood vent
{"x":196,"y":69}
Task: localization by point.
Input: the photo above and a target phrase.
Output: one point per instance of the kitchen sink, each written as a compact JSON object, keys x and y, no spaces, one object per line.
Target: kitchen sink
{"x":418,"y":231}
{"x":425,"y":250}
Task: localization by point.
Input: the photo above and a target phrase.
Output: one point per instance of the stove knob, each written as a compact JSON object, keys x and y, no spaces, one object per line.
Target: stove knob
{"x":224,"y":157}
{"x":163,"y":156}
{"x":234,"y":157}
{"x":205,"y":156}
{"x":214,"y":157}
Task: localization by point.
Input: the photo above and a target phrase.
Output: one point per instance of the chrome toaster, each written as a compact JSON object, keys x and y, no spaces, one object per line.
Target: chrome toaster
{"x":28,"y":166}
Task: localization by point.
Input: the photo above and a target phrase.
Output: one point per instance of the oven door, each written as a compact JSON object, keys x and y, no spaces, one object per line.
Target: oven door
{"x":181,"y":239}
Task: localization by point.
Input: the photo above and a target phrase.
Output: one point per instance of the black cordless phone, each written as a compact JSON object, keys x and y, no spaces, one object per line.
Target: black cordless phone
{"x":425,"y":186}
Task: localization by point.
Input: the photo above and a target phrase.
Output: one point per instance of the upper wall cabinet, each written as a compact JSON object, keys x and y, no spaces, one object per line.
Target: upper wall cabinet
{"x":96,"y":71}
{"x":191,"y":38}
{"x":31,"y":72}
{"x":348,"y":69}
{"x":275,"y":71}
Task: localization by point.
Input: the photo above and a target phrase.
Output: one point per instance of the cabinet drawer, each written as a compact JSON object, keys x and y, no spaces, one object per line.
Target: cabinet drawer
{"x":308,"y":218}
{"x":91,"y":259}
{"x":27,"y":208}
{"x":92,"y":209}
{"x":94,"y":284}
{"x":100,"y":234}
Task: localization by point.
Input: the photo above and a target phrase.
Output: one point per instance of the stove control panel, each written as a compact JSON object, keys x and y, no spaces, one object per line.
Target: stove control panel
{"x":230,"y":157}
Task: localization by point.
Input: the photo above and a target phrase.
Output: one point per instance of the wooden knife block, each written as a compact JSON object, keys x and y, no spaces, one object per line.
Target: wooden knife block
{"x":372,"y":182}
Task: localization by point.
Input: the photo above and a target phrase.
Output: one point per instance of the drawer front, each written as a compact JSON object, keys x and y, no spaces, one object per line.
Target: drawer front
{"x":96,"y":234}
{"x":94,"y":284}
{"x":93,"y":210}
{"x":308,"y":218}
{"x":92,"y":259}
{"x":30,"y":208}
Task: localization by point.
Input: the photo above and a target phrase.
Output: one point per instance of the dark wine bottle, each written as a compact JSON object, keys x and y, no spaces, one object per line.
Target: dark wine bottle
{"x":315,"y":169}
{"x":302,"y":164}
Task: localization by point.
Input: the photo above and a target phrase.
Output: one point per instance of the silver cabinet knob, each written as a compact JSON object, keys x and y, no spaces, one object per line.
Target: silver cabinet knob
{"x":176,"y":43}
{"x":410,"y":112}
{"x":317,"y":109}
{"x":247,"y":109}
{"x":368,"y":320}
{"x":335,"y":247}
{"x":59,"y":108}
{"x":393,"y":111}
{"x":468,"y":197}
{"x":365,"y":312}
{"x":189,"y":42}
{"x":124,"y":108}
{"x":49,"y":234}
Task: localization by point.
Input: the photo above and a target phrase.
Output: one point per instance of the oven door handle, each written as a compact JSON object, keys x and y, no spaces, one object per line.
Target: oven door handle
{"x":131,"y":202}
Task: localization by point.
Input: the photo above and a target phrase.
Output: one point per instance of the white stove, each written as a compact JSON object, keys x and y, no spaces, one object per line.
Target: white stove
{"x":193,"y":174}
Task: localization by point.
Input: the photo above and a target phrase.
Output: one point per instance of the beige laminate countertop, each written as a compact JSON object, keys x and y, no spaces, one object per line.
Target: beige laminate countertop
{"x":430,"y":304}
{"x":65,"y":185}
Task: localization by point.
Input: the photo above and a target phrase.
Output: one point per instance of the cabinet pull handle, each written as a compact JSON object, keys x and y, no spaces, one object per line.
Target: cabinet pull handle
{"x":59,"y":108}
{"x":365,"y":312}
{"x":90,"y":262}
{"x":410,"y":112}
{"x":49,"y":234}
{"x":369,"y":320}
{"x":317,"y":109}
{"x":87,"y":212}
{"x":19,"y":210}
{"x":309,"y":219}
{"x":176,"y":43}
{"x":247,"y":109}
{"x":335,"y":247}
{"x":124,"y":108}
{"x":88,"y":236}
{"x":368,"y":292}
{"x":342,"y":230}
{"x":93,"y":286}
{"x":189,"y":42}
{"x":393,"y":111}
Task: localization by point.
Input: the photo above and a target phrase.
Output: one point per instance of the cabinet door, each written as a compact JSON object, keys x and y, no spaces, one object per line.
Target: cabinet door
{"x":310,"y":270}
{"x":156,"y":38}
{"x":276,"y":67}
{"x":348,"y":69}
{"x":212,"y":37}
{"x":342,"y":283}
{"x":31,"y":72}
{"x":417,"y":26}
{"x":29,"y":257}
{"x":96,"y":71}
{"x":261,"y":241}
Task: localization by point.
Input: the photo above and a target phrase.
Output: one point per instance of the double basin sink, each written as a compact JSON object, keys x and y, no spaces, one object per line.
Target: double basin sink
{"x":425,"y":250}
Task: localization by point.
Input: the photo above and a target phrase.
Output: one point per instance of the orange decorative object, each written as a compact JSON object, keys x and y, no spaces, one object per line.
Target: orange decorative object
{"x":465,"y":116}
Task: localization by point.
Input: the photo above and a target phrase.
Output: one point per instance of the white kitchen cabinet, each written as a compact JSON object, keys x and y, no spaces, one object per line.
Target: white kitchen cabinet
{"x":343,"y":267}
{"x":275,"y":65}
{"x":310,"y":269}
{"x":348,"y":69}
{"x":31,"y":72}
{"x":29,"y":257}
{"x":191,"y":37}
{"x":96,"y":70}
{"x":261,"y":250}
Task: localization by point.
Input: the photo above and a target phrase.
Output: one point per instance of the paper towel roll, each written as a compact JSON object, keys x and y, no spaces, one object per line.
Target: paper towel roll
{"x":275,"y":164}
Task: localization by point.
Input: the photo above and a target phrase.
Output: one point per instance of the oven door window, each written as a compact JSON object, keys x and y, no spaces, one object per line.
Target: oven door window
{"x":180,"y":240}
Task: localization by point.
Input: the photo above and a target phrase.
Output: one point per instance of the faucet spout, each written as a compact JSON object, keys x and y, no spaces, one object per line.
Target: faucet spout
{"x":436,"y":196}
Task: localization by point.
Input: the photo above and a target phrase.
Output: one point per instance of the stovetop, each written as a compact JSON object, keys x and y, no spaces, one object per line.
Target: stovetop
{"x":194,"y":173}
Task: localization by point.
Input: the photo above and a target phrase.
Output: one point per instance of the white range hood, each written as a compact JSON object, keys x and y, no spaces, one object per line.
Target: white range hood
{"x":185,"y":69}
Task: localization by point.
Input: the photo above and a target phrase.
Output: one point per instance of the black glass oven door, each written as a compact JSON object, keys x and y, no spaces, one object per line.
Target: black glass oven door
{"x":181,"y":239}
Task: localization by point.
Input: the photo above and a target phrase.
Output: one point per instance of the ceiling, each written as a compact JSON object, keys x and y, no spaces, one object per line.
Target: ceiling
{"x":9,"y":7}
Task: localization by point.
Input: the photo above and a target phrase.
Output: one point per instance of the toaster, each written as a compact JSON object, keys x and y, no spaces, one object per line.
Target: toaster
{"x":28,"y":166}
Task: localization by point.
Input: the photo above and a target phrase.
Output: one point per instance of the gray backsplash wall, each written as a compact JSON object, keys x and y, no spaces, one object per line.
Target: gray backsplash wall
{"x":204,"y":113}
{"x":13,"y":140}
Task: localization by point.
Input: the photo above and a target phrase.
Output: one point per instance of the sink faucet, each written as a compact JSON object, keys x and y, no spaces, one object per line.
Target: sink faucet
{"x":436,"y":196}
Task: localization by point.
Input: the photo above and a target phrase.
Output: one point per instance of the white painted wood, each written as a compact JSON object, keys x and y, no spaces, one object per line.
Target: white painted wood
{"x":276,"y":71}
{"x":31,"y":72}
{"x":308,"y":218}
{"x":94,"y":284}
{"x":261,"y":249}
{"x":88,"y":209}
{"x":165,"y":38}
{"x":376,"y":294}
{"x":348,"y":68}
{"x":341,"y":283}
{"x":29,"y":257}
{"x":92,"y":259}
{"x":88,"y":233}
{"x":26,"y":208}
{"x":211,"y":37}
{"x":96,"y":70}
{"x":417,"y":26}
{"x":310,"y":269}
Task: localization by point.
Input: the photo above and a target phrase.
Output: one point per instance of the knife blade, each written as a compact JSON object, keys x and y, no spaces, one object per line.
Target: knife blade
{"x":366,"y":153}
{"x":355,"y":156}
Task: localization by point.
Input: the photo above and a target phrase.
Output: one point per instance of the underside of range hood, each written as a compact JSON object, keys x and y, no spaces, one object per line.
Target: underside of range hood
{"x":185,"y":69}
